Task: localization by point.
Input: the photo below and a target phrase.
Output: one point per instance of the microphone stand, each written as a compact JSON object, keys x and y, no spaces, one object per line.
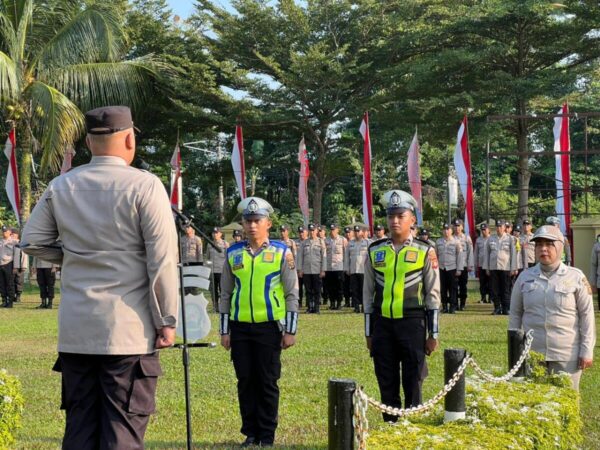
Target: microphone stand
{"x":183,"y":222}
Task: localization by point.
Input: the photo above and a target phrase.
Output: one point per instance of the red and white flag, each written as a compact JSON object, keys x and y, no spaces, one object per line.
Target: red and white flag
{"x":367,"y":194}
{"x":12,"y":176}
{"x":176,"y":186}
{"x":303,"y":183}
{"x":414,"y":176}
{"x":237,"y":161}
{"x":562,"y":143}
{"x":462,"y":164}
{"x":68,"y":160}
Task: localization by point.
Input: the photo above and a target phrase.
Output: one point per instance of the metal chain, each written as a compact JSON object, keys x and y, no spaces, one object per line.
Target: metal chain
{"x":359,"y":420}
{"x":511,"y":373}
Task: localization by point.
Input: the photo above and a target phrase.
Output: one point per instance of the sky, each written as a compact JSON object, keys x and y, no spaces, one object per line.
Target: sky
{"x":184,"y":8}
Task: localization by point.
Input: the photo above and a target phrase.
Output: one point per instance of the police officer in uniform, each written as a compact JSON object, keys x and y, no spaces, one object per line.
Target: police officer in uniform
{"x":468,"y":261}
{"x":192,"y":247}
{"x":425,"y":235}
{"x":354,"y":265}
{"x":237,"y":236}
{"x":500,"y":262}
{"x":595,"y":268}
{"x":401,"y":300}
{"x":349,"y":237}
{"x":566,"y":256}
{"x":218,"y":260}
{"x":259,"y":318}
{"x":312,"y":264}
{"x":20,"y":266}
{"x":379,"y":232}
{"x":450,"y":257}
{"x":302,"y":235}
{"x":336,"y":248}
{"x":527,"y":247}
{"x":284,"y":234}
{"x":45,"y":275}
{"x":119,"y":300}
{"x":479,"y":254}
{"x":7,"y":279}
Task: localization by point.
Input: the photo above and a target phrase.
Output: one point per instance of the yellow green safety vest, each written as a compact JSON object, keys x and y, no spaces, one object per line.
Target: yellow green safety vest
{"x":398,"y":279}
{"x":258,"y":294}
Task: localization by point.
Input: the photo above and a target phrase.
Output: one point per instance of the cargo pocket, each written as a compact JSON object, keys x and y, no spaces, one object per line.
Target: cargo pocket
{"x":142,"y":399}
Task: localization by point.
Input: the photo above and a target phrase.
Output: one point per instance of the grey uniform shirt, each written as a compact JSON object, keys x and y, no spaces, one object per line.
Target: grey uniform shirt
{"x":192,"y":249}
{"x":312,"y":256}
{"x":500,"y":253}
{"x":292,"y":246}
{"x":118,"y":256}
{"x":7,"y":250}
{"x":218,"y":259}
{"x":20,"y":259}
{"x":39,"y":263}
{"x":335,"y":253}
{"x":430,"y":279}
{"x":527,"y":250}
{"x":467,"y":248}
{"x":450,"y":254}
{"x":356,"y":255}
{"x":289,"y":280}
{"x":595,"y":265}
{"x":558,"y":309}
{"x":479,"y":250}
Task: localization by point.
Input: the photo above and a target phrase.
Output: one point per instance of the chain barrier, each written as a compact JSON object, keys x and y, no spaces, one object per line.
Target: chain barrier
{"x":362,"y":401}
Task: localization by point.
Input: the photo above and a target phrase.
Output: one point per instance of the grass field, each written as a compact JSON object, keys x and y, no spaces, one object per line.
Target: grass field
{"x":329,"y":345}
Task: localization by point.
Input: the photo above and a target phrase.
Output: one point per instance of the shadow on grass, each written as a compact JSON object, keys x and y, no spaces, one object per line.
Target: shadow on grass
{"x":224,"y":446}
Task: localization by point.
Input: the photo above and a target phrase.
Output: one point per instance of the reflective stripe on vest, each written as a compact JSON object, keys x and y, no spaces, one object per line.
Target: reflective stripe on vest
{"x":258,"y":294}
{"x":402,"y":275}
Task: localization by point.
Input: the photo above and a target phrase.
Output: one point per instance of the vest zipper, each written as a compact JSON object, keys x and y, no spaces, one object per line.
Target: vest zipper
{"x":393,"y":283}
{"x":251,"y":278}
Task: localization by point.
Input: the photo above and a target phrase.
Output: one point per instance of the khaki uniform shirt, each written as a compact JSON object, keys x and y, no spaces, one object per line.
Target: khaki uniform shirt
{"x":118,"y":255}
{"x":289,"y":280}
{"x":431,"y":280}
{"x":558,"y":309}
{"x":335,"y":253}
{"x":356,"y":255}
{"x":500,"y":253}
{"x":527,"y":250}
{"x":479,"y":250}
{"x":292,"y":246}
{"x":218,"y":259}
{"x":595,"y":265}
{"x":450,"y":254}
{"x":192,"y":249}
{"x":7,"y":250}
{"x":467,"y":248}
{"x":312,"y":256}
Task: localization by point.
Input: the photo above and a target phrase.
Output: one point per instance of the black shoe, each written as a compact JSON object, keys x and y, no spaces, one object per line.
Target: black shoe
{"x":496,"y":312}
{"x":266,"y":444}
{"x":250,"y":441}
{"x":452,"y":310}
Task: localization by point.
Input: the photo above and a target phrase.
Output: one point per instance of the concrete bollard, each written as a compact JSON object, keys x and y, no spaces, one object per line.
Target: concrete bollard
{"x":341,"y":411}
{"x":454,"y":402}
{"x":516,"y":345}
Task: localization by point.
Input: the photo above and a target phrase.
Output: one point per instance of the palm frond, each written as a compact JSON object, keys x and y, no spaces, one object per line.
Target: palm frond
{"x":56,"y":123}
{"x":22,"y":30}
{"x":9,"y":85}
{"x":13,"y":9}
{"x":93,"y":35}
{"x":99,"y":84}
{"x":7,"y":33}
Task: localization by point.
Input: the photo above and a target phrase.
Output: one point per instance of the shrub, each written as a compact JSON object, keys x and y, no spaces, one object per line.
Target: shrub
{"x":11,"y":408}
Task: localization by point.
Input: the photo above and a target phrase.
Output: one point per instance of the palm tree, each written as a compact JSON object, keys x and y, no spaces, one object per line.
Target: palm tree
{"x":57,"y":59}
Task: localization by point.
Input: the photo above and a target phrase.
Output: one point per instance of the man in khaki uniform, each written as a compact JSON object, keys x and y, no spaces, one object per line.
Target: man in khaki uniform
{"x":479,"y":253}
{"x":334,"y":276}
{"x":555,"y":301}
{"x":312,"y":264}
{"x":217,"y":260}
{"x":379,"y":232}
{"x":284,"y":233}
{"x":500,"y":262}
{"x":450,"y":259}
{"x":45,"y":275}
{"x":468,"y":262}
{"x":192,"y":247}
{"x":7,"y":253}
{"x":20,"y":266}
{"x":119,"y":301}
{"x":354,"y":265}
{"x":595,"y":268}
{"x":527,"y":247}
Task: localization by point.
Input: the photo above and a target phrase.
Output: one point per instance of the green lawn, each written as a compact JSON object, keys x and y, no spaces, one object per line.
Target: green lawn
{"x":329,"y":345}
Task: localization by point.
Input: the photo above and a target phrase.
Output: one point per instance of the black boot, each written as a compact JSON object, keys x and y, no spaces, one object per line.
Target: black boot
{"x":18,"y":297}
{"x":42,"y":305}
{"x":9,"y":303}
{"x":49,"y":303}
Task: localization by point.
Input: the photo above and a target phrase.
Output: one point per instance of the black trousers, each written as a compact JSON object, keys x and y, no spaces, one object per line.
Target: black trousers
{"x":501,"y":287}
{"x":216,"y":290}
{"x":334,"y":287}
{"x":399,"y":345}
{"x":462,"y":287}
{"x":256,"y":356}
{"x":356,"y":287}
{"x":108,"y":399}
{"x":7,"y":282}
{"x":300,"y":290}
{"x":45,"y":280}
{"x":19,"y":279}
{"x":484,"y":285}
{"x":449,"y":287}
{"x":312,"y":284}
{"x":347,"y":292}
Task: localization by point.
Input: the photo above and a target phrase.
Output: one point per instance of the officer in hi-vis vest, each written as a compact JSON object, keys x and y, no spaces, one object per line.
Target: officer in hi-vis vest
{"x":259,"y":316}
{"x":401,"y":298}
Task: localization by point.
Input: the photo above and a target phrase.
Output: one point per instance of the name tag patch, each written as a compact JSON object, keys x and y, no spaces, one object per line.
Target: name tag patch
{"x":411,"y":256}
{"x":238,"y":262}
{"x":268,"y":257}
{"x":379,"y":259}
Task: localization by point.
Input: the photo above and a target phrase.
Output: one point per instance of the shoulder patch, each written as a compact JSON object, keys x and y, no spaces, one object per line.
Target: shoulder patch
{"x":433,"y":259}
{"x":586,"y":283}
{"x":289,"y":259}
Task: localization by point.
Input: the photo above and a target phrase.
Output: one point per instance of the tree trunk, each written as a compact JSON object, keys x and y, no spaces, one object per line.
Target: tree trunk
{"x":524,"y":175}
{"x":25,"y":175}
